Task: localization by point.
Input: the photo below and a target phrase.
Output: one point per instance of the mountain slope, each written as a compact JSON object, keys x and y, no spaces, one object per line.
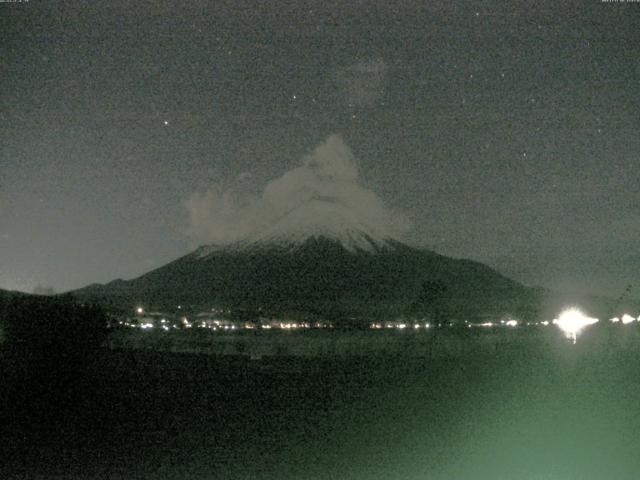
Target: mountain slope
{"x":317,"y":275}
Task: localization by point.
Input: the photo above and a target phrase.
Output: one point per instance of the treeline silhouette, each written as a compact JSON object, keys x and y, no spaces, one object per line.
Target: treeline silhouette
{"x":52,"y":326}
{"x":47,"y":348}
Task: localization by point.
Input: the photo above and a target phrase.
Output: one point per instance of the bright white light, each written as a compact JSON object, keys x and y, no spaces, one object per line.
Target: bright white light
{"x":486,"y":324}
{"x":571,"y":321}
{"x":165,"y":328}
{"x":402,"y":325}
{"x":146,"y":325}
{"x":140,"y":310}
{"x":626,"y":318}
{"x":544,"y":322}
{"x":614,"y":320}
{"x":511,"y":323}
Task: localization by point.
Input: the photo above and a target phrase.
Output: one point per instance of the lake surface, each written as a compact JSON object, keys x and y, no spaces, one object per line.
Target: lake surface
{"x":561,"y":412}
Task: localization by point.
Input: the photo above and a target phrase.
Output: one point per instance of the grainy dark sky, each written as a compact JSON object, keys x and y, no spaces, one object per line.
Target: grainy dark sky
{"x":508,"y":132}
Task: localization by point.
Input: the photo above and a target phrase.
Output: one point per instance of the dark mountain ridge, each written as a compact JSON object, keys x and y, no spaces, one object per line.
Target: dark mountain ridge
{"x":319,"y":276}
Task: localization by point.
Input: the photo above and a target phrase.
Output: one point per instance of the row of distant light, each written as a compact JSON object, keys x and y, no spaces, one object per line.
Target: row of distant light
{"x":218,"y":326}
{"x":570,"y":321}
{"x":625,"y":319}
{"x":140,"y":310}
{"x":166,"y":328}
{"x":417,"y":326}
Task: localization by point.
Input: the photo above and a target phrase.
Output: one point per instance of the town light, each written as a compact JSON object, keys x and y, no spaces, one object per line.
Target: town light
{"x":626,"y":319}
{"x":572,"y":321}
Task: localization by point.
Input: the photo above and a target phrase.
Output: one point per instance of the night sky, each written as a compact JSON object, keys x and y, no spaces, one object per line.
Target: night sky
{"x":505,"y":132}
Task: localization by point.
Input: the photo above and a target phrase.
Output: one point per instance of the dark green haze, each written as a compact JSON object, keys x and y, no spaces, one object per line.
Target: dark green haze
{"x":506,"y":131}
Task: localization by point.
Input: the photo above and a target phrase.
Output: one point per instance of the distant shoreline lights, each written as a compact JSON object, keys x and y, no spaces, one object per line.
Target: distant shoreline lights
{"x":572,"y":321}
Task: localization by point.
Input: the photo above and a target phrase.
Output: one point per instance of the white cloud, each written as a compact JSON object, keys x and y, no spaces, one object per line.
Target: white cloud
{"x":327,"y":176}
{"x":219,"y":216}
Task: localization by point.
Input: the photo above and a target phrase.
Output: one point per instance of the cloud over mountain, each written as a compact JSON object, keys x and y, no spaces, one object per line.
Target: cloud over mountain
{"x":327,"y":182}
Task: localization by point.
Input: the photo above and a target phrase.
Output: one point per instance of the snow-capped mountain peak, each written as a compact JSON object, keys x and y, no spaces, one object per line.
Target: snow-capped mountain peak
{"x":320,"y":219}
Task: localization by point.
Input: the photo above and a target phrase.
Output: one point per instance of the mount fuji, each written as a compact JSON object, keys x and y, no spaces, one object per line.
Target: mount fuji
{"x":317,"y":260}
{"x":319,"y":244}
